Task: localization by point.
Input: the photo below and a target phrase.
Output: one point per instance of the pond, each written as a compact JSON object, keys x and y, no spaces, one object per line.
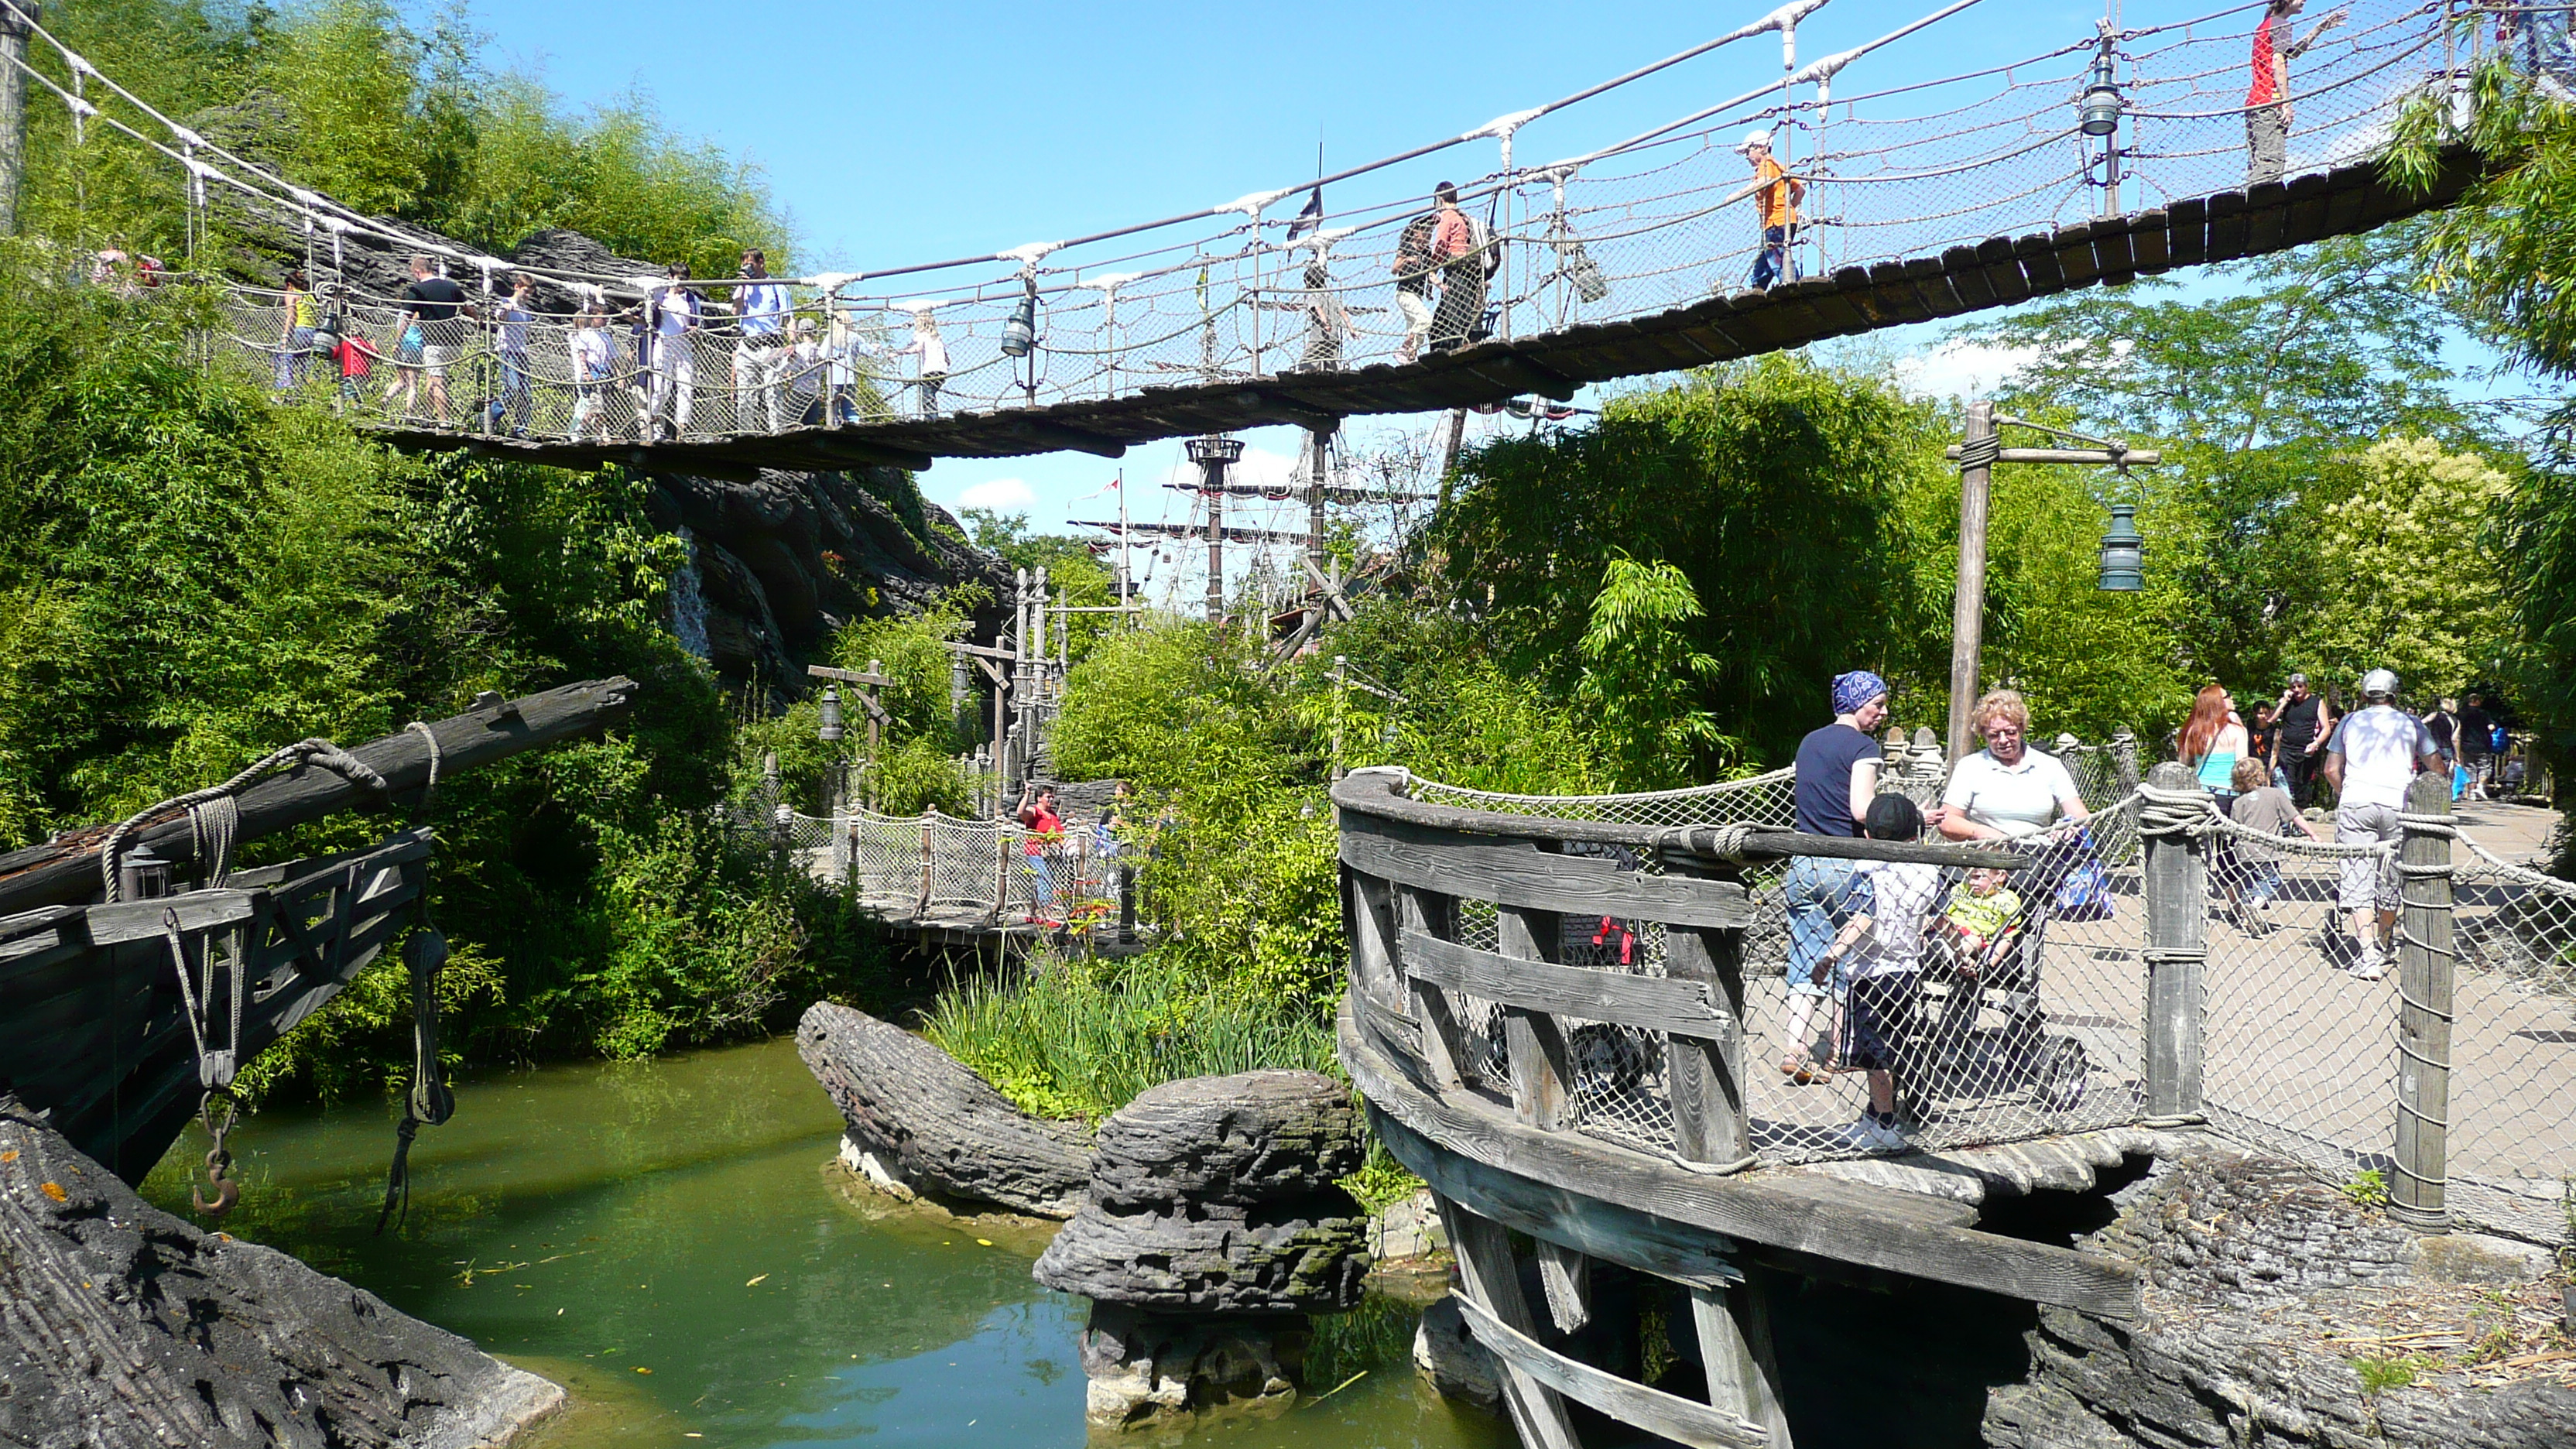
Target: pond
{"x":672,"y":1242}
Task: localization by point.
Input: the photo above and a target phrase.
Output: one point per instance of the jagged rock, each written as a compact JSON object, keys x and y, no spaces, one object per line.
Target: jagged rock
{"x":933,"y":1124}
{"x":1407,"y":1229}
{"x":2266,"y":1290}
{"x":1150,"y":1370}
{"x":1248,"y":1138}
{"x":120,"y":1324}
{"x":1449,"y":1356}
{"x":1217,"y":1195}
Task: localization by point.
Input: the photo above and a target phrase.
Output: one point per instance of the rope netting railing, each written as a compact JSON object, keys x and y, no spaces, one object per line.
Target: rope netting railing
{"x":2300,"y":1053}
{"x":1259,"y":288}
{"x":934,"y":867}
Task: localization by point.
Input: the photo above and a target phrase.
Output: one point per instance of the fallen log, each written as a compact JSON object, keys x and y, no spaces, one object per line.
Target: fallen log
{"x":65,"y":870}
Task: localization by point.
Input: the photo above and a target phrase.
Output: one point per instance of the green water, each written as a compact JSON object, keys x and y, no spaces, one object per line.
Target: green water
{"x":671,"y":1242}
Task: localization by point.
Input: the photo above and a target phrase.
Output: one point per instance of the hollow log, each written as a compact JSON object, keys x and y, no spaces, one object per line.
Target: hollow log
{"x":64,"y":871}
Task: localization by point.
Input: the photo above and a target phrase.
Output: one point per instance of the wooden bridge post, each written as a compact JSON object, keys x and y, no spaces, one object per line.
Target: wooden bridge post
{"x":1707,"y":1085}
{"x":2425,"y":961}
{"x":1542,"y":1071}
{"x":929,"y":822}
{"x":2177,"y":951}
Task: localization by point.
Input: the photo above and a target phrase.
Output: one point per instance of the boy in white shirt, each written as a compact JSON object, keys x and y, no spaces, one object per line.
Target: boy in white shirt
{"x":1884,"y":941}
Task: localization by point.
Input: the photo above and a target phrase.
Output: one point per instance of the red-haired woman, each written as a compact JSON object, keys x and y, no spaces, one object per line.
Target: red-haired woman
{"x":2212,"y":741}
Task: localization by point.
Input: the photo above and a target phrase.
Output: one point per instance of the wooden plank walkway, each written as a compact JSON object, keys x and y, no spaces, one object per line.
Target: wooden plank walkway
{"x":2270,"y":217}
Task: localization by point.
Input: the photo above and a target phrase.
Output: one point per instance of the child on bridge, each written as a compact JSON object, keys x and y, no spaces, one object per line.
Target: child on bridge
{"x":1884,"y":941}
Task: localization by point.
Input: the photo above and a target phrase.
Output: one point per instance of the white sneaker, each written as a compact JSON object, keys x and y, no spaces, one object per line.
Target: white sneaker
{"x":2370,"y":963}
{"x":1871,"y":1135}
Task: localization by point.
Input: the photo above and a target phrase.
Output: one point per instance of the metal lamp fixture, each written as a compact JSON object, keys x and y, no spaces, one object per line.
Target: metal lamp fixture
{"x":1020,"y":333}
{"x":2098,"y":113}
{"x":2124,"y":552}
{"x":832,"y":729}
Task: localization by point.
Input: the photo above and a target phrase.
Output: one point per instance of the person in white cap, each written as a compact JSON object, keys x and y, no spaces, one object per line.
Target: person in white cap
{"x":1777,"y":196}
{"x":2373,"y":756}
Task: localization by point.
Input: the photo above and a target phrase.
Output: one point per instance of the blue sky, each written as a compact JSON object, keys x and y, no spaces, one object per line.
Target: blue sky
{"x":894,"y":134}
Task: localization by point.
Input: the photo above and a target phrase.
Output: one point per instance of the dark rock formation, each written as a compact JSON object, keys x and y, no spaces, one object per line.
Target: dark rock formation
{"x":2268,"y":1296}
{"x":1156,"y":1370}
{"x":1217,"y":1195}
{"x":121,"y":1325}
{"x":928,"y":1123}
{"x":1450,"y":1359}
{"x":785,"y":560}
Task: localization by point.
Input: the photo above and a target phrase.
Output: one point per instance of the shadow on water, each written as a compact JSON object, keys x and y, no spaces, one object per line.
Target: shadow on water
{"x":671,"y":1242}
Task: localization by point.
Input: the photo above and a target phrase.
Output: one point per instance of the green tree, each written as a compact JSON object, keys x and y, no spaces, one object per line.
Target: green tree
{"x":2409,"y":539}
{"x":1642,"y":679}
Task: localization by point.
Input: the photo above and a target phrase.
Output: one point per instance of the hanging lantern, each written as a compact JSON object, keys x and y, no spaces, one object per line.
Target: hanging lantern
{"x":2124,"y":552}
{"x":2098,"y":113}
{"x":142,"y":875}
{"x":832,"y":729}
{"x":1020,"y":333}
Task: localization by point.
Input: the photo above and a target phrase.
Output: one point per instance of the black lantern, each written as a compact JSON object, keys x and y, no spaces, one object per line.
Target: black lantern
{"x":2124,"y":552}
{"x":832,"y":727}
{"x":1020,"y":333}
{"x":142,"y":875}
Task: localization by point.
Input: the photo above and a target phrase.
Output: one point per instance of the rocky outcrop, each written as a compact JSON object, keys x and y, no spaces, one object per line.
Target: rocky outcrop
{"x":2282,"y":1314}
{"x":120,"y":1324}
{"x":1218,"y":1195}
{"x":921,"y":1120}
{"x":786,"y":559}
{"x":1157,"y":1370}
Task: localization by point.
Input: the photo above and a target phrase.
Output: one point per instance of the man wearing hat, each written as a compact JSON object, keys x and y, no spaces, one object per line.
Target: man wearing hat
{"x":1776,"y":194}
{"x":2304,"y":720}
{"x":2370,"y":760}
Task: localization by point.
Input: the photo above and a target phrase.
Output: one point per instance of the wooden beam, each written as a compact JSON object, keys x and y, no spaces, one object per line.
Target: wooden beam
{"x":1875,"y":1228}
{"x":65,"y":871}
{"x":1624,"y":1400}
{"x":845,"y":676}
{"x":1057,"y":435}
{"x":1653,"y":1003}
{"x":1519,"y":875}
{"x":844,"y":448}
{"x":1492,"y":1281}
{"x":1614,"y":1234}
{"x":2105,"y":457}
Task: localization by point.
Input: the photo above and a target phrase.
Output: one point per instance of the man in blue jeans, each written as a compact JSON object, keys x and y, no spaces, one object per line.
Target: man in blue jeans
{"x":1837,"y":778}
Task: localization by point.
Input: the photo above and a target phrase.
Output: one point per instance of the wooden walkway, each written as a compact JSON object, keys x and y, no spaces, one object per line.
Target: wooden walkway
{"x":1997,"y":272}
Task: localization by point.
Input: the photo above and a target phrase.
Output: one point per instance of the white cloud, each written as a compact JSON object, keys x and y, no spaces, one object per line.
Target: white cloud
{"x":1003,"y":495}
{"x":1962,"y":369}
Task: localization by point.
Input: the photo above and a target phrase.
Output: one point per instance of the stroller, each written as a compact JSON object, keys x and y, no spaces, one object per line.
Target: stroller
{"x":1980,"y":1030}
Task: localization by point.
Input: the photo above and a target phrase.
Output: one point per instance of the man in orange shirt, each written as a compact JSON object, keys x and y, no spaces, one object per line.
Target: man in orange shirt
{"x":1777,"y":194}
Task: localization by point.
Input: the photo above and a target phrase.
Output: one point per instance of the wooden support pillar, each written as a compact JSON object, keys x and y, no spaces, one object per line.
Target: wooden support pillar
{"x":13,"y":109}
{"x":1968,"y":602}
{"x":1488,"y":1274}
{"x":929,"y":822}
{"x":1542,"y":1096}
{"x":1733,"y":1324}
{"x":2177,"y":954}
{"x":2426,"y":959}
{"x":1443,"y":1041}
{"x":1126,"y":903}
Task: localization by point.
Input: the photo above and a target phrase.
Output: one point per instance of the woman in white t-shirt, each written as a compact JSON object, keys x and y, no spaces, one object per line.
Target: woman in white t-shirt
{"x":2006,"y":790}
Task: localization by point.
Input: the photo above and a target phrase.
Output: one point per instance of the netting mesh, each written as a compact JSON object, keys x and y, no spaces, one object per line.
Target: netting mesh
{"x":2513,"y":1045}
{"x":1662,"y":221}
{"x":933,"y":866}
{"x":2045,"y":1037}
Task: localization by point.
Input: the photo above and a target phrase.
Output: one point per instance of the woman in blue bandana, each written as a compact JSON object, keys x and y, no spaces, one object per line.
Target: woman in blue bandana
{"x":1837,"y":778}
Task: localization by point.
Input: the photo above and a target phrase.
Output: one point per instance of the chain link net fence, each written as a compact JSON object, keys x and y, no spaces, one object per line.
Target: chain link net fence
{"x":2513,"y":1044}
{"x":934,"y":867}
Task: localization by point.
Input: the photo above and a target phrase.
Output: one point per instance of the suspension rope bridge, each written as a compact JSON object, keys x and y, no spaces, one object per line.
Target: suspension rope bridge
{"x":2119,"y":153}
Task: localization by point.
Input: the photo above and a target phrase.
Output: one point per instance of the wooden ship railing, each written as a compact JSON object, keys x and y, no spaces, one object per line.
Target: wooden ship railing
{"x":1501,"y":1165}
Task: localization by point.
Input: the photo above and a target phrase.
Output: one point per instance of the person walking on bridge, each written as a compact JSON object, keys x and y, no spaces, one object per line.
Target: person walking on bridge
{"x":933,"y":352}
{"x":1460,"y":254}
{"x":2267,"y":104}
{"x":1777,"y":195}
{"x":1837,"y":778}
{"x":2371,"y":760}
{"x":761,"y":308}
{"x":511,"y":400}
{"x":432,"y":305}
{"x":673,"y":314}
{"x":1413,"y":267}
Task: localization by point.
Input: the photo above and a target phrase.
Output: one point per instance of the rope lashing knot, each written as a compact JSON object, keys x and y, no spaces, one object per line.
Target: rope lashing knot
{"x":2178,"y":1119}
{"x":1727,"y":842}
{"x":214,"y":828}
{"x":1980,"y":453}
{"x":2176,"y":812}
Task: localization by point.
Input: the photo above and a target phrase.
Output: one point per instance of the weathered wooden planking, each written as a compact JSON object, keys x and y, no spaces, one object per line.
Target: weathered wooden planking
{"x":1872,"y":1227}
{"x":1605,"y":1230}
{"x":1492,"y":1281}
{"x":2149,"y":240}
{"x":1519,"y":875}
{"x":1654,"y":1003}
{"x":1625,"y":1400}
